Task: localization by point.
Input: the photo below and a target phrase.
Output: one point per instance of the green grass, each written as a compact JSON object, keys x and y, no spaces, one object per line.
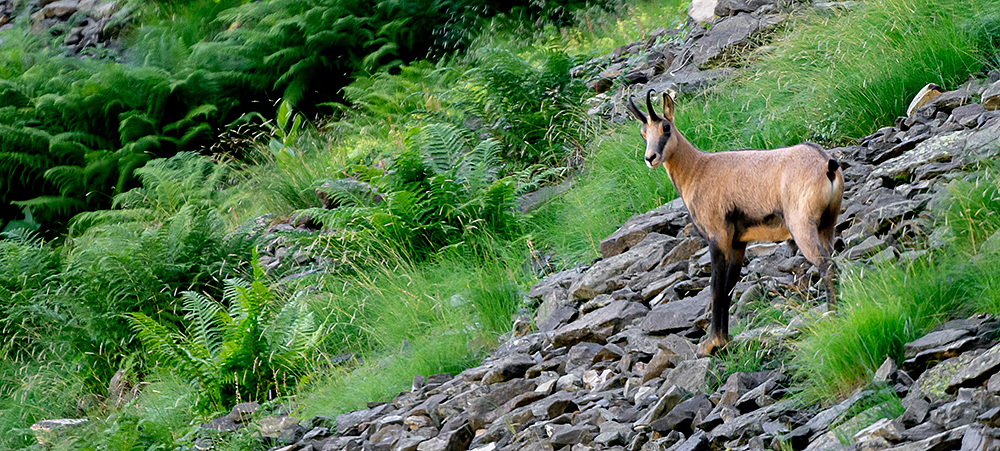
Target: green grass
{"x":884,"y":307}
{"x":615,"y":185}
{"x":838,"y":77}
{"x":403,"y":319}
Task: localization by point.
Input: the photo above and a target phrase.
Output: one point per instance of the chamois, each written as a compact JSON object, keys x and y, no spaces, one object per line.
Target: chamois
{"x":749,"y":195}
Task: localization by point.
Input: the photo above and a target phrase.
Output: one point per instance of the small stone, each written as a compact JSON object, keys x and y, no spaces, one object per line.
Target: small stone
{"x":886,"y":428}
{"x":885,"y":371}
{"x":47,"y":431}
{"x":677,"y":315}
{"x":991,"y":96}
{"x":660,"y":362}
{"x":690,"y":375}
{"x":666,"y":403}
{"x":508,"y":368}
{"x":925,"y":95}
{"x":546,"y":387}
{"x":569,"y":382}
{"x":990,"y":418}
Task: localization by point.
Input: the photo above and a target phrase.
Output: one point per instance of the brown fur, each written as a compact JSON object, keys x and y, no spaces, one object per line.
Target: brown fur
{"x":750,"y":195}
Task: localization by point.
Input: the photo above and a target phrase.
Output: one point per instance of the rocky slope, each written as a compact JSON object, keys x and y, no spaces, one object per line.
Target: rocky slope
{"x":85,"y":24}
{"x":612,"y":365}
{"x":610,"y":362}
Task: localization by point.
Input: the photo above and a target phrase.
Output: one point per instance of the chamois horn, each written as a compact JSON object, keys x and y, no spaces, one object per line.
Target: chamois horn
{"x":649,"y":106}
{"x":634,"y":110}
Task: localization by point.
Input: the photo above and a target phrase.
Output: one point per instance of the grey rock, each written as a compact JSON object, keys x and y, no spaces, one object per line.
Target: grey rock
{"x":554,"y":405}
{"x":635,"y":230}
{"x":347,"y":423}
{"x":936,"y":149}
{"x":950,"y":100}
{"x":557,"y":318}
{"x":488,"y":408}
{"x":957,"y":413}
{"x":967,"y":115}
{"x":819,"y":423}
{"x":682,"y":251}
{"x":507,"y":368}
{"x":871,"y":246}
{"x":682,"y":416}
{"x":723,"y":35}
{"x":885,"y":371}
{"x":942,"y":441}
{"x":563,"y":435}
{"x":697,"y":442}
{"x":933,"y":340}
{"x":595,"y":280}
{"x":991,"y":96}
{"x":977,"y":371}
{"x":922,"y":431}
{"x":732,"y":7}
{"x":569,"y":382}
{"x":916,"y":411}
{"x":885,"y":428}
{"x":943,"y":352}
{"x":675,"y":316}
{"x":582,"y":354}
{"x":826,"y":442}
{"x":599,"y":324}
{"x":664,"y":404}
{"x":690,"y":375}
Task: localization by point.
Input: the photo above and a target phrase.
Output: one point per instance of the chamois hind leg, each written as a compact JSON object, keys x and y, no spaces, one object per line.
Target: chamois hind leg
{"x":817,"y":247}
{"x":830,"y":273}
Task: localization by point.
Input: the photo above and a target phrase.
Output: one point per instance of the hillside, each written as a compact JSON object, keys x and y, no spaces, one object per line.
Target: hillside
{"x":411,"y":225}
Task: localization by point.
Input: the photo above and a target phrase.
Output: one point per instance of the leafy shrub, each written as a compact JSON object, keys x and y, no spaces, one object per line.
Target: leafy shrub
{"x":26,"y":264}
{"x":251,"y":346}
{"x":437,"y":193}
{"x":532,"y":105}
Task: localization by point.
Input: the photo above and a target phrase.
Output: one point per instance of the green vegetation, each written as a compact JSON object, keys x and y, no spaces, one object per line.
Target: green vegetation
{"x":885,"y":307}
{"x":841,"y":76}
{"x":136,"y":186}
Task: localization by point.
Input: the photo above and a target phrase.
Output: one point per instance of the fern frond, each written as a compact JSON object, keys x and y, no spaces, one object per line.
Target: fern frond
{"x":203,"y":313}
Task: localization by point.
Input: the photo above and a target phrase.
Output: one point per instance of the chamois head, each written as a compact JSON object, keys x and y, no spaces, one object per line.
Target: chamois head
{"x":657,"y":131}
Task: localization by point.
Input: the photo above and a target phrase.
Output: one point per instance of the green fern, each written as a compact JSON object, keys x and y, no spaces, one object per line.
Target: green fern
{"x":261,"y":344}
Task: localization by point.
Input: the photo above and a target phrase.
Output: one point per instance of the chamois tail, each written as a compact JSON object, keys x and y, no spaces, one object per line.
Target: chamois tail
{"x":832,"y":171}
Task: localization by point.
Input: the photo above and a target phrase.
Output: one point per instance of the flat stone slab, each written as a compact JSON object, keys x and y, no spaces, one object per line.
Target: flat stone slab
{"x":677,"y":315}
{"x":599,"y":324}
{"x":633,"y":231}
{"x":691,"y":375}
{"x":977,"y":371}
{"x":933,"y":340}
{"x":935,"y":149}
{"x":944,"y":440}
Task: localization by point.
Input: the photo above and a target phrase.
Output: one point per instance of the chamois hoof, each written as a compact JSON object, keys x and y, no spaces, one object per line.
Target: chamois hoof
{"x":711,"y":345}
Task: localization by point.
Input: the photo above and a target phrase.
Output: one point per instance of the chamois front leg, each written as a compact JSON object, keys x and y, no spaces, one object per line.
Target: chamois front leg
{"x":718,"y":335}
{"x":733,"y":268}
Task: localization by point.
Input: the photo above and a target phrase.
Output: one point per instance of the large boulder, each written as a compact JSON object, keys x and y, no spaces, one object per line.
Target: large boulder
{"x":599,"y":324}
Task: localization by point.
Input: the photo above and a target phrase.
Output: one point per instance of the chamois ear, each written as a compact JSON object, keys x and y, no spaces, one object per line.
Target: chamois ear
{"x":668,"y":106}
{"x":636,"y":112}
